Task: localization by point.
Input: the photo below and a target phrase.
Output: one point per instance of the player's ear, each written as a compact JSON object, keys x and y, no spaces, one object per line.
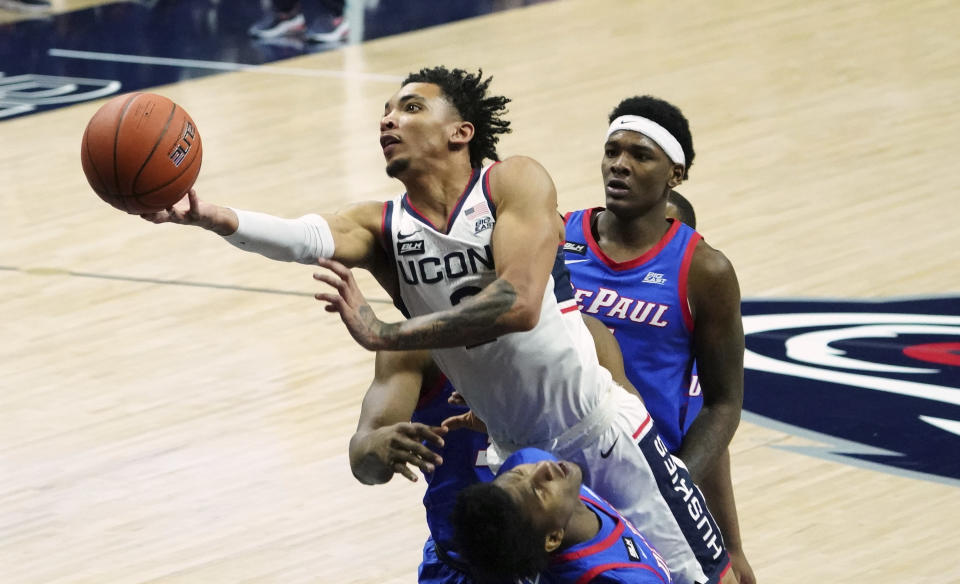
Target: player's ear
{"x":462,"y":133}
{"x":676,"y":175}
{"x":553,"y":540}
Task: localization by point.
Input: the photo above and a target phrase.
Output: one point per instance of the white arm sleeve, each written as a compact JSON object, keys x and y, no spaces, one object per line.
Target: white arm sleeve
{"x":300,"y":240}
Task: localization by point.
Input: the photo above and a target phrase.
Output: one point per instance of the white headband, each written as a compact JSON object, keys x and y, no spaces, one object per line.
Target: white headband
{"x":652,"y":130}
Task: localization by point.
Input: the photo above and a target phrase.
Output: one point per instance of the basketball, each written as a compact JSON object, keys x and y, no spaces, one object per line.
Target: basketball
{"x":141,"y":152}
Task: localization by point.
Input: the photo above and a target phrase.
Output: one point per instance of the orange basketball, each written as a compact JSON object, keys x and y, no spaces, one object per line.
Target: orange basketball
{"x":141,"y":152}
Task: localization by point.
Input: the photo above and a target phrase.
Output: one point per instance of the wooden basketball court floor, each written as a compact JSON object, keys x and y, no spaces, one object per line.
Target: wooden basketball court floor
{"x":173,"y":410}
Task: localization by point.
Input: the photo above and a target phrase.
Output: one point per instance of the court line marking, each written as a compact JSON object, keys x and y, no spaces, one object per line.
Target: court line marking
{"x":42,"y":271}
{"x":219,"y":65}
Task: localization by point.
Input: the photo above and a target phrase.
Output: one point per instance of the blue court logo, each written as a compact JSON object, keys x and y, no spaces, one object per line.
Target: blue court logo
{"x":878,"y":381}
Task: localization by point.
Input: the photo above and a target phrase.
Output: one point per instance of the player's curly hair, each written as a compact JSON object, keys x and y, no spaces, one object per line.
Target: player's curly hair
{"x":664,"y":113}
{"x":494,"y":536}
{"x":468,"y":94}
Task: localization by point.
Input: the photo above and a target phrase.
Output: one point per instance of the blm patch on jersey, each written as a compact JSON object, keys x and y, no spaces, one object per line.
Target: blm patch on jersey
{"x":413,"y":247}
{"x":574,"y":247}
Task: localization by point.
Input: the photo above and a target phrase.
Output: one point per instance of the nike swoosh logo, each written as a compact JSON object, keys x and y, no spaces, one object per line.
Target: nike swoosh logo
{"x":609,"y":450}
{"x":575,"y":261}
{"x":406,"y":235}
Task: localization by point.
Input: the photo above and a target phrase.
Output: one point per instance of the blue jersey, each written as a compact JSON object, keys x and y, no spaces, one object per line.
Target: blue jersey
{"x":464,"y":464}
{"x":644,"y":302}
{"x":617,"y":553}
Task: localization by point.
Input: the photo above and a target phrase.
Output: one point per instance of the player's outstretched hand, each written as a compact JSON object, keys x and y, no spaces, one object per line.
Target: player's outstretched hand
{"x":400,"y":445}
{"x":187,"y":211}
{"x":356,"y":314}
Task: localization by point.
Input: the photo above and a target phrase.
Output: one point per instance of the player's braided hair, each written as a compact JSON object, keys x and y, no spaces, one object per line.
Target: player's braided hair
{"x":468,"y":94}
{"x":664,"y":113}
{"x":495,"y":537}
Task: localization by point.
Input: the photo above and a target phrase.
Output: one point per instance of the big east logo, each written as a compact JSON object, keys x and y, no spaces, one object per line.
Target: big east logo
{"x":881,"y":378}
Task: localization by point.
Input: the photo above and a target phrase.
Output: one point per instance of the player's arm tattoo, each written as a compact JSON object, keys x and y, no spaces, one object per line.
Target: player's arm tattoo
{"x":477,"y":319}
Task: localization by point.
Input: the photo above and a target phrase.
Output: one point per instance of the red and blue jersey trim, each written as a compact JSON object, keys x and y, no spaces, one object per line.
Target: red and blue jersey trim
{"x":410,"y":208}
{"x":682,"y":279}
{"x":629,"y":264}
{"x":487,"y":192}
{"x":386,"y":239}
{"x":596,"y":547}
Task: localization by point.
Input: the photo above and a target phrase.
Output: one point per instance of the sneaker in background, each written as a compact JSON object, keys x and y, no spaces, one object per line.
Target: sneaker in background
{"x":276,"y":25}
{"x":328,"y":30}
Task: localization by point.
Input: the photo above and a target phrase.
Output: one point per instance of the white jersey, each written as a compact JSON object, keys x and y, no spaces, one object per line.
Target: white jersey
{"x":529,"y":387}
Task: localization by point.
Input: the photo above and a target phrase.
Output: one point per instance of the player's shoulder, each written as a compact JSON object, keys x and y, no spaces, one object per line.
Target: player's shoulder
{"x":710,"y":262}
{"x":712,"y":281}
{"x":367,"y":214}
{"x":517,"y":161}
{"x":519,"y":173}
